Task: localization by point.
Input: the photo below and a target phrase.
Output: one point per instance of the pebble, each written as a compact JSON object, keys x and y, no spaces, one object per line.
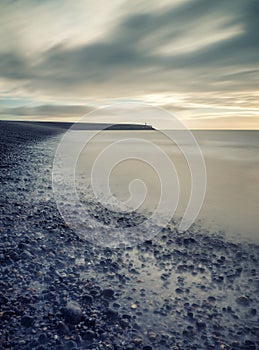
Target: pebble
{"x":62,"y":328}
{"x":88,"y":299}
{"x":108,"y":293}
{"x":200,"y":324}
{"x":27,"y":321}
{"x":89,"y":335}
{"x":72,"y":313}
{"x":152,"y":335}
{"x":112,"y":314}
{"x":243,"y":300}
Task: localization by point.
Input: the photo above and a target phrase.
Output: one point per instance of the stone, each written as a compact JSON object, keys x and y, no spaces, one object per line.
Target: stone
{"x":200,"y":324}
{"x":27,"y":321}
{"x":111,"y":314}
{"x":89,"y":335}
{"x":43,"y":338}
{"x":88,"y":299}
{"x":72,"y":313}
{"x":108,"y":293}
{"x":62,"y":328}
{"x":243,"y":300}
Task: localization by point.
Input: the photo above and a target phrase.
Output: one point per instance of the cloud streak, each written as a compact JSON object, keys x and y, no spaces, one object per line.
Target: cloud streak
{"x":46,"y":110}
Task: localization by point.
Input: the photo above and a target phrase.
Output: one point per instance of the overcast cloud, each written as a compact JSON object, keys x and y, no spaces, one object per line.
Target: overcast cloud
{"x":199,"y":59}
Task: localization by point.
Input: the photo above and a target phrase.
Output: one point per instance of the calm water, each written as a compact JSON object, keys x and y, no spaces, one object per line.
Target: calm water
{"x":231,"y":203}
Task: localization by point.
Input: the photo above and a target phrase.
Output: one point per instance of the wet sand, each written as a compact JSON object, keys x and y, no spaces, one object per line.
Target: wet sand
{"x":192,"y":290}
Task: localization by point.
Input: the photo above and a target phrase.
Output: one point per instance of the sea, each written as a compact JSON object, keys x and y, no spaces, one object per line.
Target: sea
{"x":131,"y":167}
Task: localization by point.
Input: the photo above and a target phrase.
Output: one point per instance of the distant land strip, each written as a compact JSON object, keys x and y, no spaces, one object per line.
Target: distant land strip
{"x":82,"y":126}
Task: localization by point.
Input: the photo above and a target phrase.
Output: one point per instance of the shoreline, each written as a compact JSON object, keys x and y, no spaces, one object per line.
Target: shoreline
{"x":177,"y":291}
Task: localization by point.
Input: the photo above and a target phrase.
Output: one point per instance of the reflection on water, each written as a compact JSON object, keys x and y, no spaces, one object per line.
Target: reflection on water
{"x":232,"y":160}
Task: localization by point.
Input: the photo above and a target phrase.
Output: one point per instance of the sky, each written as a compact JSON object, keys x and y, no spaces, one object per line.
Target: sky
{"x":198,"y":59}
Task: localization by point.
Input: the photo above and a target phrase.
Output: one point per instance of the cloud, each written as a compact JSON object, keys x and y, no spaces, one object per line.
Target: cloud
{"x":193,"y":46}
{"x":225,"y":122}
{"x":46,"y":111}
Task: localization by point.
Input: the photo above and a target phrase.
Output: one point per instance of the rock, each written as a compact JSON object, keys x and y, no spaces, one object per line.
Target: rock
{"x":90,"y":322}
{"x":72,"y":313}
{"x":152,"y":335}
{"x":2,"y":257}
{"x":43,"y":338}
{"x":62,"y":328}
{"x":189,"y":240}
{"x":211,"y":299}
{"x":243,"y":300}
{"x":200,"y":324}
{"x":14,"y":256}
{"x":89,"y":335}
{"x":88,"y":299}
{"x":137,"y":341}
{"x":95,"y":291}
{"x":249,"y":345}
{"x":126,"y":317}
{"x":111,"y":314}
{"x":116,"y":305}
{"x":71,"y":345}
{"x":108,"y":293}
{"x":27,"y":321}
{"x":179,"y":291}
{"x":26,"y":255}
{"x":190,"y":315}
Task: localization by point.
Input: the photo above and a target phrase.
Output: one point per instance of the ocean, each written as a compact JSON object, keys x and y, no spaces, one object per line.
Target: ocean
{"x":231,"y":202}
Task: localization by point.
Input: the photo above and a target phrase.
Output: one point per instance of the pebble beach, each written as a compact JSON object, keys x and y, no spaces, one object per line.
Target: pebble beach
{"x":193,"y":290}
